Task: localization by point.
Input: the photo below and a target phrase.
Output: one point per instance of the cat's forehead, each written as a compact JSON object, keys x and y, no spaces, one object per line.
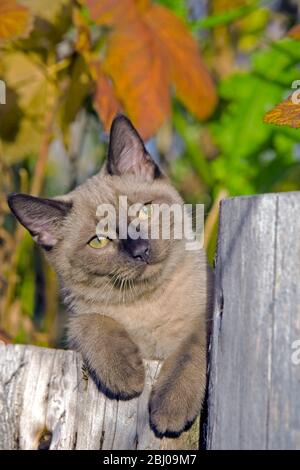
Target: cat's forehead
{"x":107,"y":190}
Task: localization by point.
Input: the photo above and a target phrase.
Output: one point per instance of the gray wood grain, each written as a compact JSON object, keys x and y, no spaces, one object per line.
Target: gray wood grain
{"x":254,"y":386}
{"x":45,"y":400}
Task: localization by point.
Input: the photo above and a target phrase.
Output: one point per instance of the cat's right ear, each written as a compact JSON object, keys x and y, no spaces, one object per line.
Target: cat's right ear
{"x":41,"y":217}
{"x":127,"y":153}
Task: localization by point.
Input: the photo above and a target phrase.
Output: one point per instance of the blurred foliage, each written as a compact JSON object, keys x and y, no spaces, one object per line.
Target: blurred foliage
{"x":207,"y":83}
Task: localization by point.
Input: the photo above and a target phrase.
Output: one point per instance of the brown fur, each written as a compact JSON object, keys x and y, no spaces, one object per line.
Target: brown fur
{"x":124,"y":310}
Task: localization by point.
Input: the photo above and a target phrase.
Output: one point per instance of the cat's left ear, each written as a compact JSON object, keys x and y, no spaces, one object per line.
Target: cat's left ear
{"x":127,"y":153}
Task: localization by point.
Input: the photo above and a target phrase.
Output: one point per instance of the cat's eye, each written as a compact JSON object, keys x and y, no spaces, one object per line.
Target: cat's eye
{"x":145,"y":212}
{"x":98,"y":242}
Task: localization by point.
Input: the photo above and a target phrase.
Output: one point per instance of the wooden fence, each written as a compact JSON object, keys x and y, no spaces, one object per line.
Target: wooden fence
{"x":254,"y":386}
{"x":46,"y":401}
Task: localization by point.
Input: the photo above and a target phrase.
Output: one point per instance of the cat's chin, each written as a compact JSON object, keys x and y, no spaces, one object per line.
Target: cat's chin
{"x":150,"y":271}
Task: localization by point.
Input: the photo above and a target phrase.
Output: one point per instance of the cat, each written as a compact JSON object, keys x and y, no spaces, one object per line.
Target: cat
{"x":129,"y":299}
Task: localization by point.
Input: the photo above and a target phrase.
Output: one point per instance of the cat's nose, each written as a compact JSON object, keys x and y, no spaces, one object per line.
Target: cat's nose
{"x":138,"y":249}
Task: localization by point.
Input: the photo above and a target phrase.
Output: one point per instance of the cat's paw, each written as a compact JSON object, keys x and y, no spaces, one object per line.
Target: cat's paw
{"x":112,"y":359}
{"x":171,"y":413}
{"x":122,"y":375}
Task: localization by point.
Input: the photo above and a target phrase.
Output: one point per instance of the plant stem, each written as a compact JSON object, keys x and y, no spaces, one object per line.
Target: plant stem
{"x":212,"y":217}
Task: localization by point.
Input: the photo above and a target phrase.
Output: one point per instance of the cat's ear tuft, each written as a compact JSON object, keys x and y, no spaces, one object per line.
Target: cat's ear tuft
{"x":41,"y":217}
{"x":127,"y":153}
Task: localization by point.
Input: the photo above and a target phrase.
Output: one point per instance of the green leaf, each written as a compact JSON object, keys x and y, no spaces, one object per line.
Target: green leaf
{"x":190,"y":134}
{"x":227,"y":17}
{"x":277,"y":63}
{"x":240,"y":131}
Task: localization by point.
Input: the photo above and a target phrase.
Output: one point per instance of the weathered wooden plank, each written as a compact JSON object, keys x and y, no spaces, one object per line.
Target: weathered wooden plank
{"x":254,"y":386}
{"x":46,"y":401}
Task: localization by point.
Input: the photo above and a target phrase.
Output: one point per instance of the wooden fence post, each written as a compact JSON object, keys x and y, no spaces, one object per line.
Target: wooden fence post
{"x":254,"y":386}
{"x":47,"y":402}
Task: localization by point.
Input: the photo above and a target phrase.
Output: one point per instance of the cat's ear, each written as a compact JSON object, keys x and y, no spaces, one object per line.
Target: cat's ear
{"x":127,"y":153}
{"x":41,"y":217}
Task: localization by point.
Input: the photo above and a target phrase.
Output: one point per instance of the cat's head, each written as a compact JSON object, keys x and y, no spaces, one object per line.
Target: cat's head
{"x":67,"y":227}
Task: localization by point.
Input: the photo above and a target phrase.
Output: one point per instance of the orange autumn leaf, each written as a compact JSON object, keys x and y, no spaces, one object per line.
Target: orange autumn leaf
{"x":149,"y":50}
{"x":136,"y":65}
{"x":294,"y":32}
{"x":105,"y":101}
{"x":286,"y":113}
{"x":14,"y":19}
{"x":193,"y":84}
{"x":111,"y":12}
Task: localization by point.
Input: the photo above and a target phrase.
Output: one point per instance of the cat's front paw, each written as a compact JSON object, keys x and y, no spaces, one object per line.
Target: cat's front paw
{"x":171,"y":413}
{"x":112,"y":359}
{"x":121,"y":375}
